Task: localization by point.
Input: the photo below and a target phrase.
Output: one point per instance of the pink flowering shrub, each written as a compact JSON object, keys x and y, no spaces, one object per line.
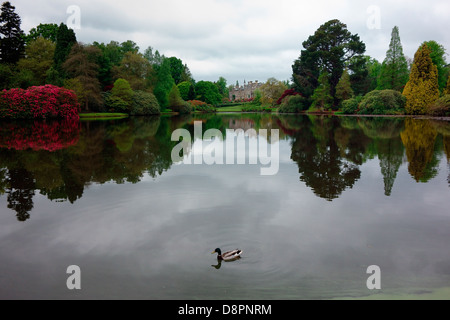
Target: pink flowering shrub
{"x":39,"y":103}
{"x":40,"y":135}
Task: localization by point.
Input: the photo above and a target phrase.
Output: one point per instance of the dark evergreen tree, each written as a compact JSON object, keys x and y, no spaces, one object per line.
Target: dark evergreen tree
{"x":65,"y":39}
{"x":12,"y":43}
{"x":329,"y":49}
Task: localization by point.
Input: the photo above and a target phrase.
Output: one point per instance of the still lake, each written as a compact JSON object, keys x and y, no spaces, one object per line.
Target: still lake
{"x":350,"y":192}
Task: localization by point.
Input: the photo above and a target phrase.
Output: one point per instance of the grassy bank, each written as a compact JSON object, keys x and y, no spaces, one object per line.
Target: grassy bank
{"x":102,"y":116}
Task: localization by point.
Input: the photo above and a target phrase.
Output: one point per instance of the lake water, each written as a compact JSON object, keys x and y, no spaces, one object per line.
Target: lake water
{"x":349,"y":193}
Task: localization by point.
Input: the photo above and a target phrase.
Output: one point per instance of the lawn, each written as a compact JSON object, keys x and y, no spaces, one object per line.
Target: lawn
{"x":237,"y":108}
{"x":102,"y":116}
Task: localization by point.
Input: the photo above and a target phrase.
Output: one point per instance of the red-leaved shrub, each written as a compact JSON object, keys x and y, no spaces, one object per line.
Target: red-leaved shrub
{"x":39,"y":103}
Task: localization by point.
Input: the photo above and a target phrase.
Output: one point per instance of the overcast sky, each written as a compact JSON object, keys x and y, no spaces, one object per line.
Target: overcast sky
{"x":241,"y":39}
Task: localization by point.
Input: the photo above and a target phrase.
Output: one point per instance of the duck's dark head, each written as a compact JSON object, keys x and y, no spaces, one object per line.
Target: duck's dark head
{"x":217,"y":251}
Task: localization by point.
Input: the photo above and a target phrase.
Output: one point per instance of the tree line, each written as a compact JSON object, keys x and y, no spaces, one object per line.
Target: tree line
{"x":333,"y":68}
{"x":332,"y":73}
{"x":51,"y":54}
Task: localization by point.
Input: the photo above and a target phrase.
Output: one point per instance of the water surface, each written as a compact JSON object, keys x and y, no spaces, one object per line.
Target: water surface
{"x":106,"y":196}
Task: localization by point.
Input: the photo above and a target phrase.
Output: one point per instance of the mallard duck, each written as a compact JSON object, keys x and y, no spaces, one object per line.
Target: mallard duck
{"x":229,"y":255}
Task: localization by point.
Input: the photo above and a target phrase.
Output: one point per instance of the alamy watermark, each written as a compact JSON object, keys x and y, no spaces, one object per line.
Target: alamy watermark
{"x":374,"y":19}
{"x":211,"y":148}
{"x":74,"y":19}
{"x":74,"y":280}
{"x":374,"y":281}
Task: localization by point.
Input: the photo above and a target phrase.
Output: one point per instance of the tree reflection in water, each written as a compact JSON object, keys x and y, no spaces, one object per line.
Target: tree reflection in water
{"x":328,"y":151}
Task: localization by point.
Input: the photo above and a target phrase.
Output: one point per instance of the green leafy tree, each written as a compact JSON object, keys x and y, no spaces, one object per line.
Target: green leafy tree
{"x":164,"y":84}
{"x":122,"y":89}
{"x":374,"y":68}
{"x":12,"y":43}
{"x":422,"y":89}
{"x":112,"y":55}
{"x":208,"y":92}
{"x":175,"y":99}
{"x":222,"y":86}
{"x":7,"y":76}
{"x":129,"y":46}
{"x":186,"y":75}
{"x":76,"y":86}
{"x":47,"y":31}
{"x":271,"y":91}
{"x":344,"y":89}
{"x":329,"y":49}
{"x":155,"y":58}
{"x":394,"y":70}
{"x":438,"y":57}
{"x":359,"y":74}
{"x":322,"y":98}
{"x":39,"y":59}
{"x":186,"y":89}
{"x":176,"y":69}
{"x":136,"y":70}
{"x":81,"y":64}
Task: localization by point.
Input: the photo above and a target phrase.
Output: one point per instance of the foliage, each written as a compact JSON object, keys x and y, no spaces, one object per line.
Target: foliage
{"x":394,"y":70}
{"x":81,"y":64}
{"x":438,"y":57}
{"x":7,"y":72}
{"x":136,"y":70}
{"x":441,"y":107}
{"x":329,"y":49}
{"x":176,"y":69}
{"x":344,"y":90}
{"x":360,"y":76}
{"x":351,"y":106}
{"x":208,"y":92}
{"x":164,"y":84}
{"x":65,"y":39}
{"x":374,"y":68}
{"x":222,"y":86}
{"x":422,"y":89}
{"x":293,"y":104}
{"x":39,"y":103}
{"x":447,"y":89}
{"x":144,"y":104}
{"x":120,"y":98}
{"x":76,"y":86}
{"x":287,"y":93}
{"x":12,"y":43}
{"x":382,"y":102}
{"x":115,"y":104}
{"x":175,"y":97}
{"x":47,"y":31}
{"x":322,"y":98}
{"x":200,"y":106}
{"x":187,"y":90}
{"x":39,"y":58}
{"x":271,"y":91}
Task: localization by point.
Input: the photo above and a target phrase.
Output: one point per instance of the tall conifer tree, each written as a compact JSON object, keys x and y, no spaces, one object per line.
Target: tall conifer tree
{"x":12,"y":43}
{"x":394,"y":70}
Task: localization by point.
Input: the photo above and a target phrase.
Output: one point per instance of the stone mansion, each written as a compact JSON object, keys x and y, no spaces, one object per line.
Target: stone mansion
{"x":247,"y":91}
